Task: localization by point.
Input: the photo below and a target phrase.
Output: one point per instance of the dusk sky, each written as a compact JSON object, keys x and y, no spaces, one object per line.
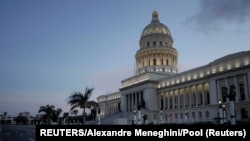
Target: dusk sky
{"x":52,"y":48}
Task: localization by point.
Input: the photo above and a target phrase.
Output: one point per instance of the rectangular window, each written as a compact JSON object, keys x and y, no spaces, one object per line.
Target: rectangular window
{"x":154,"y":61}
{"x":208,"y":99}
{"x":161,"y":104}
{"x":201,"y":100}
{"x":170,"y":103}
{"x":242,"y":91}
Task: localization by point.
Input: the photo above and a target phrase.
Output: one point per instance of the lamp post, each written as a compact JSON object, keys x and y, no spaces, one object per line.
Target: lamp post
{"x":167,"y":118}
{"x":134,"y":122}
{"x":186,"y":117}
{"x":139,"y":114}
{"x":161,"y":117}
{"x":99,"y":116}
{"x":220,"y":113}
{"x":231,"y":97}
{"x":224,"y":114}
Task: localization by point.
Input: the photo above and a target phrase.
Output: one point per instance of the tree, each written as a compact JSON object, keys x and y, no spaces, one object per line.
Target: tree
{"x":74,"y":112}
{"x":56,"y":114}
{"x":48,"y":111}
{"x":21,"y":119}
{"x":92,"y":104}
{"x":79,"y":100}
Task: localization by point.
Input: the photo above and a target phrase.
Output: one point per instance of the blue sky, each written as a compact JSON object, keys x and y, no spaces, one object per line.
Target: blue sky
{"x":52,"y":48}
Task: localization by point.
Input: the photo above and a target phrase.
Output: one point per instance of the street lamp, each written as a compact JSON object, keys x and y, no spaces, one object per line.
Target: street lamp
{"x":161,"y":116}
{"x":139,"y":114}
{"x":231,"y":97}
{"x":186,"y":117}
{"x":220,"y":113}
{"x":99,"y":116}
{"x":134,"y":116}
{"x":224,"y":114}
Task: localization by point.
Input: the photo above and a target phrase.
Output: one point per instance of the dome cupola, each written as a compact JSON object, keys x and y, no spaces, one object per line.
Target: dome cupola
{"x":156,"y":52}
{"x":155,"y":28}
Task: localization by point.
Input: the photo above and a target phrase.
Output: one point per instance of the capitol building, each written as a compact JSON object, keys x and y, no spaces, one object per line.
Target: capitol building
{"x":217,"y":92}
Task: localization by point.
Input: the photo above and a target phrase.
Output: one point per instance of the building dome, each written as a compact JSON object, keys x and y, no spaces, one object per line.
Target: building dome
{"x":155,"y":27}
{"x":156,"y":53}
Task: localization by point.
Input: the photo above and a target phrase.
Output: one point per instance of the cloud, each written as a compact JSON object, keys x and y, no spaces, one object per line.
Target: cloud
{"x":213,"y":13}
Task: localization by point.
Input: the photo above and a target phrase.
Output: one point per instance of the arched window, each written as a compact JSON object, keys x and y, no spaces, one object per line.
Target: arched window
{"x":154,"y":43}
{"x":200,"y":114}
{"x":181,"y":116}
{"x":207,"y":114}
{"x":193,"y":115}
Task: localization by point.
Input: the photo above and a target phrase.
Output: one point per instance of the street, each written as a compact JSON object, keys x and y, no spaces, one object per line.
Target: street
{"x":17,"y":132}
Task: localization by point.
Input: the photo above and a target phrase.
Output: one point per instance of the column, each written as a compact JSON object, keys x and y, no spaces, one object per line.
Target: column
{"x":164,"y":100}
{"x":133,"y":100}
{"x":245,"y":86}
{"x":248,"y":82}
{"x":129,"y":102}
{"x":184,"y":97}
{"x":168,"y":100}
{"x":178,"y":95}
{"x":219,"y":96}
{"x":202,"y":94}
{"x":196,"y":95}
{"x":213,"y":92}
{"x":190,"y":98}
{"x":226,"y":84}
{"x":159,"y":100}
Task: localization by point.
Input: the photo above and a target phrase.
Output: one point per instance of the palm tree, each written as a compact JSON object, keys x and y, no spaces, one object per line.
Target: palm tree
{"x":48,"y":110}
{"x":57,"y":114}
{"x":92,"y":104}
{"x":75,"y":112}
{"x":79,"y":100}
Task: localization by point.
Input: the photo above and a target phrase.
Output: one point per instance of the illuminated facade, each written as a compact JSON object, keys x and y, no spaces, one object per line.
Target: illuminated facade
{"x":159,"y":94}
